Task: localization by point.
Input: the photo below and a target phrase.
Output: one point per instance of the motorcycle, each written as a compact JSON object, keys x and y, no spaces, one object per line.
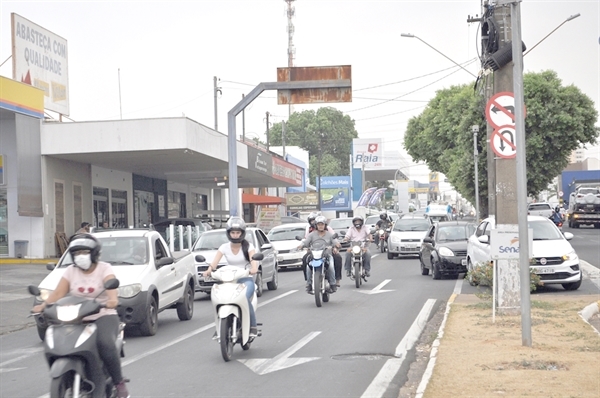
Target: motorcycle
{"x":232,"y":315}
{"x":357,"y":249}
{"x":382,"y":237}
{"x":70,"y":346}
{"x":556,"y":222}
{"x":318,"y":260}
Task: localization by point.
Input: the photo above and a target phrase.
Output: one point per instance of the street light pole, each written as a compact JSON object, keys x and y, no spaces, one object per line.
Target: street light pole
{"x":436,"y":50}
{"x":475,"y":129}
{"x":555,"y":29}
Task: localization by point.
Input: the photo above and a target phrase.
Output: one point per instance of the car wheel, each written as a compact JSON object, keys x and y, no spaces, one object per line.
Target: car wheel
{"x":185,"y":309}
{"x":437,"y":274}
{"x":390,"y":255}
{"x":573,"y":285}
{"x":424,"y":269}
{"x":259,"y":283}
{"x":150,"y":325}
{"x":274,"y":283}
{"x":468,"y":275}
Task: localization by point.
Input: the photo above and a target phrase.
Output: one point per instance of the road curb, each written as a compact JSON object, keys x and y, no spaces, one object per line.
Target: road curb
{"x":16,"y":261}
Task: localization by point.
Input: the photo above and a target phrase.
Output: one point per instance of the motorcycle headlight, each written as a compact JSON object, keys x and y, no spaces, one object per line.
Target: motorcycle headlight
{"x":381,"y":232}
{"x":67,"y":313}
{"x":44,"y":293}
{"x":444,"y":251}
{"x":356,"y":249}
{"x":129,"y":291}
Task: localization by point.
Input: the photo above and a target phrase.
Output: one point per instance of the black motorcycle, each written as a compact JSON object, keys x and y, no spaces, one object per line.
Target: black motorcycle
{"x":70,"y":346}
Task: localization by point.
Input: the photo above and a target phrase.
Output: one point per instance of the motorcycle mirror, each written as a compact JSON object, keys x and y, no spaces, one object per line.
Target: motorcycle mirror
{"x":335,"y":236}
{"x":200,"y":258}
{"x":111,"y":284}
{"x":298,"y":238}
{"x":258,"y":256}
{"x":33,"y":290}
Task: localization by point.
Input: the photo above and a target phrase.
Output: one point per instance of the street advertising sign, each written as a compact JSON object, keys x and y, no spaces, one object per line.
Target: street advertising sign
{"x":314,"y":95}
{"x":302,"y":201}
{"x":505,"y":243}
{"x":335,"y":193}
{"x":268,"y":217}
{"x":366,"y":195}
{"x":500,"y":114}
{"x":367,"y":153}
{"x":40,"y":59}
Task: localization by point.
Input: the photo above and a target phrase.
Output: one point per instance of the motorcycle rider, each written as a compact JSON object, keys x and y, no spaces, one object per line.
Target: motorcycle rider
{"x":311,"y":227}
{"x":86,"y":278}
{"x":337,"y":257}
{"x":321,"y":233}
{"x":238,"y":252}
{"x":383,"y":223}
{"x":358,"y":233}
{"x":556,"y":217}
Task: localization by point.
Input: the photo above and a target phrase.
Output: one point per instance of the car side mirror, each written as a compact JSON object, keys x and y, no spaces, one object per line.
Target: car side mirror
{"x":484,"y":239}
{"x":568,"y":235}
{"x":164,"y":261}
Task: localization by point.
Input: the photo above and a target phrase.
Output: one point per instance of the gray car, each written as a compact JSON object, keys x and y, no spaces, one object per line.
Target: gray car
{"x":210,"y":241}
{"x":341,"y":226}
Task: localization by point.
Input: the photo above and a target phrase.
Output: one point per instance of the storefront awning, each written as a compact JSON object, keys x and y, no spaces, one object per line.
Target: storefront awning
{"x":261,"y":199}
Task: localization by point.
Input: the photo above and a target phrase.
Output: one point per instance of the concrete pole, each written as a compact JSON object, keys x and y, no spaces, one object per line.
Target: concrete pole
{"x":475,"y":129}
{"x":217,"y":90}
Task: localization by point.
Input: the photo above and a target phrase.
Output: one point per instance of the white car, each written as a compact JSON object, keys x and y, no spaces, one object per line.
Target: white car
{"x":283,"y":238}
{"x":553,"y":257}
{"x":210,"y":241}
{"x":407,"y":236}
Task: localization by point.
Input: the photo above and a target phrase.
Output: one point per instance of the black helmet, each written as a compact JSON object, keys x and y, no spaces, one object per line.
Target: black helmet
{"x":236,"y":224}
{"x":383,"y":216}
{"x":85,"y":242}
{"x":358,"y":220}
{"x":557,"y":209}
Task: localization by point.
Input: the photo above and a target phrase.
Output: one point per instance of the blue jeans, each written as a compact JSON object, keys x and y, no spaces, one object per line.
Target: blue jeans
{"x":329,"y":273}
{"x":250,"y":287}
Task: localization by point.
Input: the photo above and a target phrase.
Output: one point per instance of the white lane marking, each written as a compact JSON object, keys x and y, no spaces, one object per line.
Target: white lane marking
{"x":591,"y":272}
{"x":381,"y":382}
{"x":377,"y":289}
{"x":5,"y":296}
{"x":191,"y":334}
{"x":263,"y":366}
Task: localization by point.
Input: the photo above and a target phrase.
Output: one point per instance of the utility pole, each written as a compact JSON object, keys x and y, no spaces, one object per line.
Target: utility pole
{"x":475,"y":129}
{"x":268,"y":114}
{"x":283,"y":137}
{"x":217,"y":90}
{"x":243,"y":123}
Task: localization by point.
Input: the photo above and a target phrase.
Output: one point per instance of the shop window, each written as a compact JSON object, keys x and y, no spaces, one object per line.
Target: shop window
{"x":101,"y":214}
{"x":176,"y":204}
{"x":119,"y":208}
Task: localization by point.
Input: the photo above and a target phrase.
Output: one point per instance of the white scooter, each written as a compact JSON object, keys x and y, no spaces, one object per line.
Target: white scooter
{"x":232,"y":315}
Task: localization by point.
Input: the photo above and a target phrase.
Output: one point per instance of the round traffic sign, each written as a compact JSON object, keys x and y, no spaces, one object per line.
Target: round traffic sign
{"x":560,"y":194}
{"x":503,"y":142}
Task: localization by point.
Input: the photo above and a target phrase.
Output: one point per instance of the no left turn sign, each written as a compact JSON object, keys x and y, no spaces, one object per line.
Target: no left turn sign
{"x":500,"y":109}
{"x":504,"y":142}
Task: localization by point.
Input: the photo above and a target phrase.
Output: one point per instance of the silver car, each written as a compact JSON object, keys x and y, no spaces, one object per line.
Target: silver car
{"x":210,"y":241}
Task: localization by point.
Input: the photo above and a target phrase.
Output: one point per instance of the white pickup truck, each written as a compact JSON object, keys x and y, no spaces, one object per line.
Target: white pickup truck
{"x":151,"y":278}
{"x":540,"y":209}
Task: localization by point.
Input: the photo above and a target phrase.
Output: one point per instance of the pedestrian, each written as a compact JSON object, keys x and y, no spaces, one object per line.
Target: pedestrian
{"x":85,"y":228}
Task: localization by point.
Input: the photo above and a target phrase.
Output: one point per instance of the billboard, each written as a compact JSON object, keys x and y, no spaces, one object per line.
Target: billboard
{"x":40,"y":59}
{"x":301,"y":201}
{"x":335,"y":193}
{"x":368,"y":152}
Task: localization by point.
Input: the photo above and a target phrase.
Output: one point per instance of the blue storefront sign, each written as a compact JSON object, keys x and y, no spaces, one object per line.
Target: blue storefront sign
{"x":335,"y":193}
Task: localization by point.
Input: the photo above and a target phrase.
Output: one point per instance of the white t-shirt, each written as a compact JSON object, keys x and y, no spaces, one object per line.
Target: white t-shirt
{"x":235,"y":259}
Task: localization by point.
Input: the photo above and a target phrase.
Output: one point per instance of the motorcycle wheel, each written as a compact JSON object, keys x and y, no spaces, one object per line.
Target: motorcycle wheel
{"x":382,"y":246}
{"x":357,"y":274}
{"x":62,"y":386}
{"x":226,"y":342}
{"x":318,"y":286}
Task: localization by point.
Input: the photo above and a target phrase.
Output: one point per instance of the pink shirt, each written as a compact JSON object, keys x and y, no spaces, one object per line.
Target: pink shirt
{"x":89,"y":285}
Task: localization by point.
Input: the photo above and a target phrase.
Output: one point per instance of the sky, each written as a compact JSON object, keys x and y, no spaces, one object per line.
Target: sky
{"x":134,"y":59}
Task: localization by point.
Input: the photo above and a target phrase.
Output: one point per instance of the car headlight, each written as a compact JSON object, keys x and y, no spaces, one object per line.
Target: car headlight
{"x":44,"y":293}
{"x":130,"y":290}
{"x":570,"y":256}
{"x":395,"y":239}
{"x":444,"y":251}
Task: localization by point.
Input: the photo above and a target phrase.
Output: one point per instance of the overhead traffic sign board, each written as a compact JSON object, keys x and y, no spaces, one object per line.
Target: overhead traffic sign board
{"x":503,"y":142}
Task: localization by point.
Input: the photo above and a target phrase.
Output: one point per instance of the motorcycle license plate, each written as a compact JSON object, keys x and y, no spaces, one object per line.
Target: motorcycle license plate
{"x":544,"y":270}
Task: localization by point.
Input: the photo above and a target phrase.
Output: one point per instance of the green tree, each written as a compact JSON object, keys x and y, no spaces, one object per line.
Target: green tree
{"x":559,"y":119}
{"x":327,"y":133}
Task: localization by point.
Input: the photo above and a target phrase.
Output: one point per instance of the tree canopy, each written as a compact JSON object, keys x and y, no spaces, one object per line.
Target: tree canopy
{"x":559,"y":119}
{"x":326,"y":133}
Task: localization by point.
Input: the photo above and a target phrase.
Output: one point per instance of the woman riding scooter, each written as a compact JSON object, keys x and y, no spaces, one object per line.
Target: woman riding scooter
{"x":239,"y":252}
{"x":85,"y":278}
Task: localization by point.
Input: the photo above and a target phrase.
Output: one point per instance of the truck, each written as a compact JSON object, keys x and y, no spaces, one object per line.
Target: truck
{"x":581,"y":190}
{"x":152,"y":278}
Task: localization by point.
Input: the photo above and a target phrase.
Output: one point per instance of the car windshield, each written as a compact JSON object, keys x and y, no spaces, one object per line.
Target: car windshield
{"x":286,"y":234}
{"x":372,"y":220}
{"x":213,"y":240}
{"x":544,"y":230}
{"x":415,"y":224}
{"x":585,"y":191}
{"x":118,"y":251}
{"x":339,"y":223}
{"x":448,"y":233}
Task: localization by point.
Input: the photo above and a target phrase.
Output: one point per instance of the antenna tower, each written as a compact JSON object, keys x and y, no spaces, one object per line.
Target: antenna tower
{"x":291,"y":10}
